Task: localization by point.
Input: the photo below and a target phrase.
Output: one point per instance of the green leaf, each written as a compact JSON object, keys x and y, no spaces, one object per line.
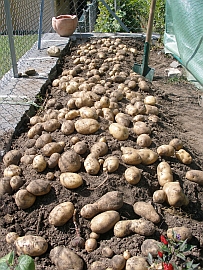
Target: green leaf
{"x":181,"y":256}
{"x":183,"y":245}
{"x":9,"y":258}
{"x":25,"y":262}
{"x":150,"y":258}
{"x":4,"y":266}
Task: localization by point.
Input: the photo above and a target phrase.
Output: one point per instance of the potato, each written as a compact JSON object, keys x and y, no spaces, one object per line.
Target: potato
{"x":195,"y":176}
{"x":39,"y":163}
{"x":112,"y":200}
{"x":99,"y":89}
{"x":144,"y":140}
{"x":61,"y":213}
{"x":90,"y":244}
{"x":16,"y":182}
{"x":140,"y":226}
{"x":150,"y":246}
{"x":140,"y":106}
{"x":98,"y":265}
{"x":107,"y":252}
{"x":27,"y":159}
{"x":146,"y":210}
{"x":176,"y":143}
{"x":105,"y":221}
{"x":132,"y":175}
{"x":140,"y":127}
{"x":150,"y":100}
{"x":12,"y":157}
{"x":86,"y":126}
{"x":130,"y":156}
{"x":67,"y":127}
{"x":118,"y":262}
{"x":12,"y":170}
{"x":151,"y":110}
{"x":131,"y":110}
{"x":53,"y":160}
{"x":182,"y":233}
{"x":119,"y":131}
{"x":11,"y":237}
{"x":31,"y":245}
{"x":80,"y":147}
{"x":86,"y":112}
{"x":43,"y":139}
{"x":111,"y":164}
{"x":92,"y":165}
{"x":71,"y":180}
{"x":123,"y":119}
{"x":72,"y":114}
{"x":159,"y":196}
{"x":108,"y":114}
{"x":183,"y":156}
{"x":24,"y":199}
{"x":5,"y":186}
{"x":175,"y":195}
{"x":143,"y":85}
{"x":51,"y":125}
{"x":35,"y":119}
{"x":148,"y":156}
{"x":53,"y":147}
{"x":39,"y":187}
{"x":99,"y":149}
{"x":136,"y":263}
{"x":166,"y":150}
{"x":69,"y":162}
{"x":164,"y":173}
{"x":35,"y":130}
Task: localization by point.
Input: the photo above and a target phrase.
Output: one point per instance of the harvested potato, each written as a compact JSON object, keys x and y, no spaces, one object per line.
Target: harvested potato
{"x":144,"y":140}
{"x":119,"y":131}
{"x":91,"y":164}
{"x":140,"y":127}
{"x":148,"y":156}
{"x":39,"y":163}
{"x":118,"y":262}
{"x":35,"y":130}
{"x":12,"y":157}
{"x":61,"y":213}
{"x":183,"y":156}
{"x":67,"y":127}
{"x":143,"y":85}
{"x":182,"y":232}
{"x":130,"y":156}
{"x":175,"y":195}
{"x":146,"y":210}
{"x":150,"y":246}
{"x":99,"y":149}
{"x":16,"y":182}
{"x":139,"y":117}
{"x":112,"y":200}
{"x":74,"y":140}
{"x":131,"y":110}
{"x":53,"y":147}
{"x":151,"y":110}
{"x":90,"y":244}
{"x":31,"y":245}
{"x":43,"y":139}
{"x":35,"y":119}
{"x":27,"y":159}
{"x":107,"y":252}
{"x":71,"y":180}
{"x":12,"y":170}
{"x":164,"y":173}
{"x":166,"y":150}
{"x":80,"y":147}
{"x":150,"y":100}
{"x":5,"y":186}
{"x":72,"y":114}
{"x":51,"y":125}
{"x":132,"y":175}
{"x":86,"y":126}
{"x":98,"y":265}
{"x":195,"y":176}
{"x":159,"y":196}
{"x":108,"y":114}
{"x":11,"y":237}
{"x":69,"y":161}
{"x":136,"y":263}
{"x":86,"y":112}
{"x":140,"y":226}
{"x":105,"y":221}
{"x":123,"y":119}
{"x":53,"y":160}
{"x":39,"y":187}
{"x":24,"y":199}
{"x":94,"y":235}
{"x":111,"y":164}
{"x":140,"y":106}
{"x":176,"y":143}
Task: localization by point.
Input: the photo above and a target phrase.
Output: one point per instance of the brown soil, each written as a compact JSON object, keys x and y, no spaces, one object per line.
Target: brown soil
{"x":180,"y":116}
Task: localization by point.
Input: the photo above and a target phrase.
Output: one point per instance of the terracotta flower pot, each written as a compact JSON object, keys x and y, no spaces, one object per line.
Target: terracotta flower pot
{"x":65,"y":25}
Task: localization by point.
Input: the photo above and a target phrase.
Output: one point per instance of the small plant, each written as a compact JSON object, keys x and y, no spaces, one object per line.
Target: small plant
{"x":170,"y":250}
{"x":10,"y":262}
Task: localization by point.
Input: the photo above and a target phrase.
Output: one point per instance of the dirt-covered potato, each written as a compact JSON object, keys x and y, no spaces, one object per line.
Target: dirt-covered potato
{"x":123,"y":119}
{"x":104,"y":222}
{"x":150,"y":100}
{"x":61,"y":213}
{"x":146,"y":210}
{"x":67,"y":127}
{"x":164,"y":173}
{"x":43,"y":139}
{"x":12,"y":170}
{"x":35,"y":119}
{"x":12,"y":157}
{"x":112,"y":200}
{"x":118,"y":262}
{"x":64,"y":259}
{"x":87,"y":126}
{"x":150,"y":246}
{"x":108,"y":114}
{"x":71,"y":180}
{"x":183,"y":156}
{"x":179,"y":233}
{"x":72,"y":114}
{"x":159,"y":196}
{"x":16,"y":182}
{"x":195,"y":176}
{"x":132,"y":175}
{"x":136,"y":263}
{"x":148,"y":156}
{"x":27,"y":159}
{"x":80,"y":147}
{"x":176,"y":143}
{"x":39,"y":187}
{"x":130,"y":156}
{"x":151,"y":110}
{"x":53,"y":147}
{"x":99,"y":149}
{"x":111,"y":164}
{"x":166,"y":150}
{"x":24,"y":199}
{"x":35,"y":130}
{"x":5,"y":186}
{"x":52,"y":162}
{"x":39,"y":163}
{"x":86,"y":112}
{"x":31,"y":245}
{"x":143,"y":85}
{"x":119,"y":131}
{"x":90,"y":244}
{"x":140,"y":226}
{"x":175,"y":195}
{"x":11,"y":237}
{"x":141,"y":128}
{"x":69,"y":161}
{"x":144,"y":140}
{"x":91,"y":164}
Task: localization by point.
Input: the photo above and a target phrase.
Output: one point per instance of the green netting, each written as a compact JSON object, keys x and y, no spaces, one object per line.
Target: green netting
{"x":184,"y":34}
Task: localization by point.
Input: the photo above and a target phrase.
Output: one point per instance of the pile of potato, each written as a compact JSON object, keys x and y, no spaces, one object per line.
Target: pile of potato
{"x":90,"y":98}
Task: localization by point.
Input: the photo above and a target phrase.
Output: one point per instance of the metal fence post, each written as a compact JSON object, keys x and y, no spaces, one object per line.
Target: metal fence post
{"x":10,"y":36}
{"x":40,"y":24}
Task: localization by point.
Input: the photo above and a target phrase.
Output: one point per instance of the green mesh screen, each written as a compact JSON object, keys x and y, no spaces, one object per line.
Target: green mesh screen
{"x":184,"y":34}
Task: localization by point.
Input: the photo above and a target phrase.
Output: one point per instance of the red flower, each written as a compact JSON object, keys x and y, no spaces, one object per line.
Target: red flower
{"x":163,"y":240}
{"x":168,"y":266}
{"x":160,"y":254}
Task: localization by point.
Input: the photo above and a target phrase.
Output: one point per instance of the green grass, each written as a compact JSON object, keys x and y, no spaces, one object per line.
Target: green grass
{"x":22,"y":45}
